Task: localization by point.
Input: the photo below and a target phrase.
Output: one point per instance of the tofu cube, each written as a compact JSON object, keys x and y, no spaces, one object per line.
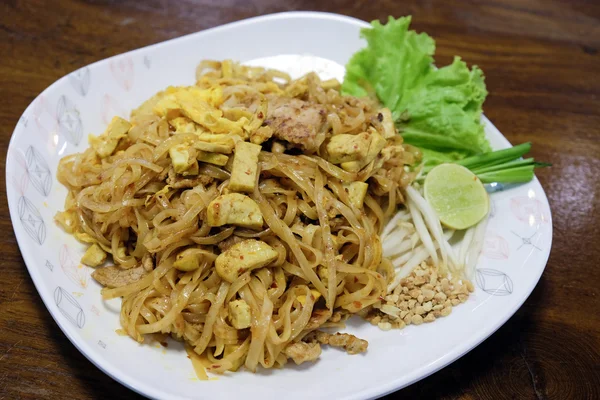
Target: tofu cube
{"x":344,"y":148}
{"x":212,"y":158}
{"x":187,"y":260}
{"x":180,"y":158}
{"x":376,"y":144}
{"x":242,"y":257}
{"x":245,"y":167}
{"x":357,"y":192}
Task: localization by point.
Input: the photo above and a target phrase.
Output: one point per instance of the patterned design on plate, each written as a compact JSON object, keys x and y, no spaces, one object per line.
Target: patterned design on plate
{"x":95,"y":311}
{"x":111,"y":108}
{"x":494,"y":282}
{"x":32,"y":221}
{"x":528,"y":210}
{"x":80,"y":80}
{"x":69,"y":307}
{"x":38,"y":171}
{"x":122,"y":70}
{"x":44,"y":117}
{"x":495,"y":247}
{"x":526,"y":240}
{"x":21,"y":182}
{"x":49,"y":265}
{"x":73,"y":270}
{"x":147,"y":61}
{"x":69,"y":120}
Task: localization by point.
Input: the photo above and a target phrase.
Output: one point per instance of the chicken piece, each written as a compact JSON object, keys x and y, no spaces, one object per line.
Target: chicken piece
{"x":179,"y":182}
{"x":230,"y":241}
{"x":318,"y":318}
{"x":114,"y":276}
{"x":148,"y":262}
{"x":357,"y":192}
{"x":239,"y":314}
{"x":234,"y":209}
{"x":105,"y":144}
{"x":245,"y":167}
{"x":339,"y":316}
{"x":301,"y":352}
{"x":350,"y":343}
{"x":94,"y":256}
{"x":244,"y":256}
{"x":297,"y":122}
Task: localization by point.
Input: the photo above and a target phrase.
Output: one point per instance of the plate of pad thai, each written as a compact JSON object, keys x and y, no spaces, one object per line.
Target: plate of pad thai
{"x":322,"y":215}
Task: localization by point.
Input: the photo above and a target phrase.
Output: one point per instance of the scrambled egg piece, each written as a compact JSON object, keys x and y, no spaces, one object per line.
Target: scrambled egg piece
{"x":200,"y":106}
{"x":66,"y":220}
{"x":239,"y":314}
{"x":84,"y":237}
{"x":242,"y":257}
{"x":357,"y":192}
{"x":94,"y":256}
{"x":105,"y":144}
{"x":245,"y":167}
{"x":315,"y":293}
{"x":183,"y":125}
{"x":234,"y":209}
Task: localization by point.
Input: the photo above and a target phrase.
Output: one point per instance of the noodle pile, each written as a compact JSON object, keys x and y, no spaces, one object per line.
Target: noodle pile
{"x":129,"y":197}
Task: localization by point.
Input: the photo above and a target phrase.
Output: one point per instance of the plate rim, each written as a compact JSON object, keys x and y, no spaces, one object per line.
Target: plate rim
{"x":144,"y":389}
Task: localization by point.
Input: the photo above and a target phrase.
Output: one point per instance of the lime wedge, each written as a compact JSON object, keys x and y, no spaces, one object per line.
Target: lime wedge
{"x":456,"y":195}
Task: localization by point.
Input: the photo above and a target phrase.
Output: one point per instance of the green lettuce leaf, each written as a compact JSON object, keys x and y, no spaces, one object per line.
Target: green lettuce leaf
{"x":435,"y":109}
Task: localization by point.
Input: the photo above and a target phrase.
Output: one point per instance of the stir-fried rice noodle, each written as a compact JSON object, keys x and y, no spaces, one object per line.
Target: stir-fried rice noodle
{"x":329,"y":262}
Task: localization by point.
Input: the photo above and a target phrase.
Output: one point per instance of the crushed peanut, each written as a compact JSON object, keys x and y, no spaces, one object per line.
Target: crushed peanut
{"x":423,"y":296}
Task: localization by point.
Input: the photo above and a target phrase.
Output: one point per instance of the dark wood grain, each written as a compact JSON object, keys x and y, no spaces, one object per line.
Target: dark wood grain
{"x":542,"y":64}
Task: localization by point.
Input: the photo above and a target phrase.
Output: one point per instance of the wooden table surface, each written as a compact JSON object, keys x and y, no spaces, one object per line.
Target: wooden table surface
{"x":542,"y":65}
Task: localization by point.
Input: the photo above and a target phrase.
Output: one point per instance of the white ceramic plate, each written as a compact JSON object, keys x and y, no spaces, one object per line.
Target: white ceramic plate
{"x":516,"y":248}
